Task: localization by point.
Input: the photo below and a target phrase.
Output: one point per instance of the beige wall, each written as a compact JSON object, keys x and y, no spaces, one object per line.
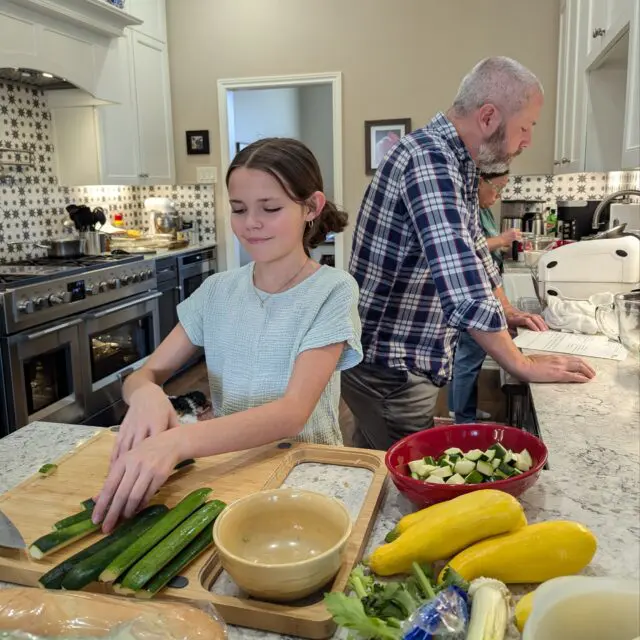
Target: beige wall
{"x":399,"y":58}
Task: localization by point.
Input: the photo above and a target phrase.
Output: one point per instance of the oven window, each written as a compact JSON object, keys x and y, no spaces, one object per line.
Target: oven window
{"x":48,"y":378}
{"x":119,"y":347}
{"x":192,"y":283}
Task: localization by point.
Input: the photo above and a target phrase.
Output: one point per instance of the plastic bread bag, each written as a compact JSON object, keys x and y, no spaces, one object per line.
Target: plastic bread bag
{"x":446,"y":617}
{"x":36,"y":614}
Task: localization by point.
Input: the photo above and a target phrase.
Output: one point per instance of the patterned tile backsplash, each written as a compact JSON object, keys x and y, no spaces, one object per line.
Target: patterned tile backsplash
{"x":32,"y":204}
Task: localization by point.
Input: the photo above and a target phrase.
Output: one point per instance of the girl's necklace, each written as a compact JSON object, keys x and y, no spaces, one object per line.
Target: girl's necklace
{"x":284,"y":286}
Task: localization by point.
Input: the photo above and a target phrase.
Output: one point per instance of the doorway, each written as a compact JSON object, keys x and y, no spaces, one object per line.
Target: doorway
{"x":306,"y":107}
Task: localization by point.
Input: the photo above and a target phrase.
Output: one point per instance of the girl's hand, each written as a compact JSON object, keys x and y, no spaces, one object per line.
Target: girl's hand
{"x":135,"y":477}
{"x":150,"y":413}
{"x":510,"y":236}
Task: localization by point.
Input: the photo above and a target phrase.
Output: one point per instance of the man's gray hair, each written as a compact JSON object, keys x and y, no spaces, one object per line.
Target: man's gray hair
{"x":500,"y":81}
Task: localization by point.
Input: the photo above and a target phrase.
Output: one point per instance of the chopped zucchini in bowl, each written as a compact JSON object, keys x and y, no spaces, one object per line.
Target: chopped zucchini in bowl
{"x":473,"y":467}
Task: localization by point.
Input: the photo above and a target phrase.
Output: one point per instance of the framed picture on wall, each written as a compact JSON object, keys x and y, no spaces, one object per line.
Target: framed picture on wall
{"x":379,"y":137}
{"x":198,"y":142}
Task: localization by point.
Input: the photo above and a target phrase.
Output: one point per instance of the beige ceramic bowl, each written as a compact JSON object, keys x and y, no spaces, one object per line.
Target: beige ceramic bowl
{"x":282,"y":544}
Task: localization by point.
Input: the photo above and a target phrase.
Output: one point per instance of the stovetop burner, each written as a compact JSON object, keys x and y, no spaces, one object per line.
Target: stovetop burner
{"x":33,"y":270}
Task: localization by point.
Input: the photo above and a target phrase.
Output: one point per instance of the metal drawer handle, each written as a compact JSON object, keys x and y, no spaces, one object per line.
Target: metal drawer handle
{"x":58,"y":327}
{"x":133,"y":303}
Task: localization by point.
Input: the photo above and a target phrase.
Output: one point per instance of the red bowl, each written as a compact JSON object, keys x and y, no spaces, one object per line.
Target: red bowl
{"x":433,"y":442}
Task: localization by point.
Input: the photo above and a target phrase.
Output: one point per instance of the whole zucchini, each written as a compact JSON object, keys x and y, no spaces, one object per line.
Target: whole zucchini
{"x":173,"y":544}
{"x":532,"y":554}
{"x":88,"y":570}
{"x":179,"y":562}
{"x":61,"y":538}
{"x":451,"y":527}
{"x":152,"y":536}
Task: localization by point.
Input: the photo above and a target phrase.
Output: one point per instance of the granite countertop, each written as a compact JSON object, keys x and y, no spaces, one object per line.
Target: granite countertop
{"x":591,"y":431}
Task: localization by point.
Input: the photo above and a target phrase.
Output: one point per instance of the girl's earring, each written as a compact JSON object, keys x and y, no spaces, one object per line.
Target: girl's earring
{"x":310,"y":224}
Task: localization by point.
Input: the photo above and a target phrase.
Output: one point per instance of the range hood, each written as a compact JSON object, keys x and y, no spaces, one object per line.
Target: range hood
{"x":74,"y":42}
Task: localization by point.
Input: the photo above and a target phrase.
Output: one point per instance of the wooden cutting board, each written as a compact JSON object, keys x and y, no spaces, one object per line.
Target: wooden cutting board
{"x":35,"y":504}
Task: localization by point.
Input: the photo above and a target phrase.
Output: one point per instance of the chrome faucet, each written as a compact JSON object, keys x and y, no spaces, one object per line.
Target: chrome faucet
{"x":595,"y":224}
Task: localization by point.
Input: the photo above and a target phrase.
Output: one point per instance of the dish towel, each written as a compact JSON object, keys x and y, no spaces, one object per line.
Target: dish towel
{"x":575,"y":316}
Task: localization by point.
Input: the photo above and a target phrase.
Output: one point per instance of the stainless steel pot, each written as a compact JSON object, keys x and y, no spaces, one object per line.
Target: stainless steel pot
{"x":63,"y":247}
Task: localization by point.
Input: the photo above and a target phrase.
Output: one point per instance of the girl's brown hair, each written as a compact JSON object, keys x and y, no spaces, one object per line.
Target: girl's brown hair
{"x":296,"y":169}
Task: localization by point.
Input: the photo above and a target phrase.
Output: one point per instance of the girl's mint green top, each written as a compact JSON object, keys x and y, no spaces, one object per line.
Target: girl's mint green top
{"x":251,"y":348}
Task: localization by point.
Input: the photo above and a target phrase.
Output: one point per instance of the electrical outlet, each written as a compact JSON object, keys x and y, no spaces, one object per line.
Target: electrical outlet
{"x":207,"y":175}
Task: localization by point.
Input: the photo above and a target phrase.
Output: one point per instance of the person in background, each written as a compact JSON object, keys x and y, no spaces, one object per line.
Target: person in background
{"x":276,"y":333}
{"x":423,"y":265}
{"x":463,"y":388}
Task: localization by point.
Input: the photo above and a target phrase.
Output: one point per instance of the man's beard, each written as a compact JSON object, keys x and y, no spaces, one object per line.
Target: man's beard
{"x":492,"y":157}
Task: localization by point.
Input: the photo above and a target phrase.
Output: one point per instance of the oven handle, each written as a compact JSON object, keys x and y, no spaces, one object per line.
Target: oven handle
{"x":58,"y":327}
{"x":120,"y":307}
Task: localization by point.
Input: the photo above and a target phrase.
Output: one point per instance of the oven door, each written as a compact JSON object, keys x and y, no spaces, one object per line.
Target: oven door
{"x":117,"y":340}
{"x":193,"y":270}
{"x":42,"y":375}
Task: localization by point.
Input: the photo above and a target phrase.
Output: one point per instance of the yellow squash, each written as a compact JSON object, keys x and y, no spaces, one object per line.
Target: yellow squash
{"x":413,"y":518}
{"x":535,"y":553}
{"x":523,"y":610}
{"x":453,"y":526}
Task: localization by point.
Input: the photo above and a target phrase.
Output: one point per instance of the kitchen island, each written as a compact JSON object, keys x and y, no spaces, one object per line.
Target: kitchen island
{"x":592,"y":432}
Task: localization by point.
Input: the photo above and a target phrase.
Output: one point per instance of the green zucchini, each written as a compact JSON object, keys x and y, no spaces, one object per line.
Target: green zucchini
{"x":151,"y":537}
{"x":88,"y":570}
{"x":141,"y":572}
{"x":89,"y":503}
{"x":203,"y":540}
{"x":53,"y":578}
{"x":61,"y":538}
{"x":47,"y":469}
{"x":74,"y":519}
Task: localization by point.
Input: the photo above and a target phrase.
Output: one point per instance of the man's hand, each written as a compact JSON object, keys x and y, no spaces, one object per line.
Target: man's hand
{"x":557,"y":368}
{"x":517,"y":318}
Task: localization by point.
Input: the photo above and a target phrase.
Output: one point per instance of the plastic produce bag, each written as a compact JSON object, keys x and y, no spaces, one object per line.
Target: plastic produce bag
{"x":444,"y":618}
{"x":34,"y":614}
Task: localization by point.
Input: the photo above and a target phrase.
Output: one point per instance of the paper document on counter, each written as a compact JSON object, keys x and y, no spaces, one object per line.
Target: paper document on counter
{"x":576,"y":344}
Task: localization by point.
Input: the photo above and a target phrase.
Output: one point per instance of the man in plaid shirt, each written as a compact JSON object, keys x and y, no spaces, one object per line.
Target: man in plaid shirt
{"x":422,"y":262}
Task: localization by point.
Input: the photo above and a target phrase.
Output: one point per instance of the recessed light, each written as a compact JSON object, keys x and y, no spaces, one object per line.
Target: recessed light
{"x":47,"y":75}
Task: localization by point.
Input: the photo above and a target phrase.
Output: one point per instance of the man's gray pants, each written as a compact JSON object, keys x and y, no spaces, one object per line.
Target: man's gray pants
{"x":387,"y":404}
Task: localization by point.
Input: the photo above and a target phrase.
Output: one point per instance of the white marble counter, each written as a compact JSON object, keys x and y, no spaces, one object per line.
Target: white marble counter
{"x":594,"y":475}
{"x":163,"y":253}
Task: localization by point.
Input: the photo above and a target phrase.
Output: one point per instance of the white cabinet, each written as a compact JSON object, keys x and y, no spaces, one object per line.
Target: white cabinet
{"x":598,"y":101}
{"x":153,"y":15}
{"x":130,"y":143}
{"x":570,"y":106}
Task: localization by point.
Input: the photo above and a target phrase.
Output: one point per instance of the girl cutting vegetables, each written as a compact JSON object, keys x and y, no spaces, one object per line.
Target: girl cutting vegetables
{"x":275,"y":333}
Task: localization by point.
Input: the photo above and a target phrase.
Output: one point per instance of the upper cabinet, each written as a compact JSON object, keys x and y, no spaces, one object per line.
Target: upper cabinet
{"x":597,"y":113}
{"x":131,"y":142}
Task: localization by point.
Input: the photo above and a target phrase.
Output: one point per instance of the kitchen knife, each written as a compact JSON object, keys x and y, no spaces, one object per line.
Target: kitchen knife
{"x":9,"y":535}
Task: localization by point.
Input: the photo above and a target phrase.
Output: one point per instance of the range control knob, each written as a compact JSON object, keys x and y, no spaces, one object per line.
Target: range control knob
{"x":137,"y":277}
{"x":114,"y":283}
{"x":125,"y":279}
{"x":149,"y":274}
{"x":40,"y":301}
{"x":25,"y":306}
{"x":56,"y":298}
{"x":102,"y":287}
{"x":91,"y":288}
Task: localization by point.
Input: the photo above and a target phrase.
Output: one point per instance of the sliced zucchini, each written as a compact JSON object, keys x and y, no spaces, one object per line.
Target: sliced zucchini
{"x":443,"y":461}
{"x":508,"y":457}
{"x":524,"y":461}
{"x":507,"y":469}
{"x":53,"y":578}
{"x":173,"y":568}
{"x":456,"y":478}
{"x":454,"y":457}
{"x":475,"y":477}
{"x":415,"y":476}
{"x":88,"y":570}
{"x":496,"y":462}
{"x":47,"y":469}
{"x":488,"y":455}
{"x":416,"y":465}
{"x":173,"y":544}
{"x":453,"y":451}
{"x":501,"y":452}
{"x":464,"y":467}
{"x":441,"y":472}
{"x":89,"y":503}
{"x":473,"y":455}
{"x":430,"y":461}
{"x":61,"y":538}
{"x":484,"y":468}
{"x":152,"y":536}
{"x":74,"y":519}
{"x":435,"y":479}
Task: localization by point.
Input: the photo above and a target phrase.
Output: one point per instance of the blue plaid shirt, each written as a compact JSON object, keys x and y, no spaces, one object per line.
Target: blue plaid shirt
{"x":420,"y":257}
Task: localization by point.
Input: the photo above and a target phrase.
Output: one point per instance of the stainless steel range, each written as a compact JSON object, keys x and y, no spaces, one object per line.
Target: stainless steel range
{"x":70,"y":331}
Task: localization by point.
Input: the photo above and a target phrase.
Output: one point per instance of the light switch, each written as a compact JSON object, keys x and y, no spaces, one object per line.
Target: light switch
{"x":207,"y":175}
